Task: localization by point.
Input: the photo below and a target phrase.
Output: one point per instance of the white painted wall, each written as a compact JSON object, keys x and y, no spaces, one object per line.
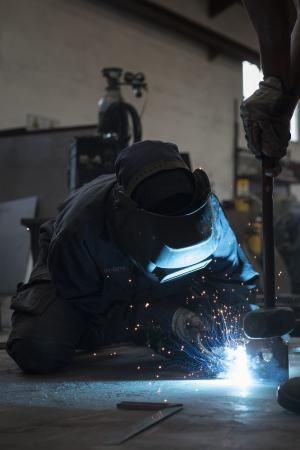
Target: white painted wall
{"x":51,"y":53}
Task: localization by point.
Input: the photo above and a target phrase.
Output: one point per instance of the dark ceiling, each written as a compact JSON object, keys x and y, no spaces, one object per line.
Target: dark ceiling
{"x":216,"y":7}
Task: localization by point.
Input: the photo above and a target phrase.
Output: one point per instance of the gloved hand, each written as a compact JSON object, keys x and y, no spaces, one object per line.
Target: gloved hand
{"x":266,"y":115}
{"x":188,"y":326}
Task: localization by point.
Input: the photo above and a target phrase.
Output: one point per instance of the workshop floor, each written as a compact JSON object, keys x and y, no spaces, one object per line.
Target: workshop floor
{"x":76,"y":409}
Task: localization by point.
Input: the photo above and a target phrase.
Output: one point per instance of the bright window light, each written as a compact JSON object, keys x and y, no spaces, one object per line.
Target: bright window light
{"x":295,"y":125}
{"x":251,"y":78}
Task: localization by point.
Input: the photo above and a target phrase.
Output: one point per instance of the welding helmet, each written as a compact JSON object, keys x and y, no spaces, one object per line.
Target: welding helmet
{"x":165,"y":244}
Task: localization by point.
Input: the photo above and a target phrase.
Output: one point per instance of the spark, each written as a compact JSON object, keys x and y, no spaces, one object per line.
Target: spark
{"x":220,"y":352}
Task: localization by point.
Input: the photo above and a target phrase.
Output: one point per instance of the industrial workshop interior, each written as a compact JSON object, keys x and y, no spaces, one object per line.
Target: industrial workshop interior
{"x":149,"y":224}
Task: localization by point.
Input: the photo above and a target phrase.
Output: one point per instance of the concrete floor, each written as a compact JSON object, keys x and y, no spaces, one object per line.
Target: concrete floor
{"x":76,"y":409}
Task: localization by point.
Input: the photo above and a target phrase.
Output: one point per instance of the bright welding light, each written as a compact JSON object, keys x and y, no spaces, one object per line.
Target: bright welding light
{"x":236,"y":366}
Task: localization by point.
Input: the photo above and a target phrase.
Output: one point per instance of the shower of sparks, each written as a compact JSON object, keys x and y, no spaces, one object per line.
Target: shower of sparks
{"x":220,"y":351}
{"x":227,"y":355}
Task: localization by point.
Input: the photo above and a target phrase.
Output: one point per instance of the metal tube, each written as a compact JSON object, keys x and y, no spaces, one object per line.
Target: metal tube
{"x":268,"y":236}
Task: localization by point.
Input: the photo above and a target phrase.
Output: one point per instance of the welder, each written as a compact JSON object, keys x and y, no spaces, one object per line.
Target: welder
{"x":266,"y":114}
{"x":138,"y":253}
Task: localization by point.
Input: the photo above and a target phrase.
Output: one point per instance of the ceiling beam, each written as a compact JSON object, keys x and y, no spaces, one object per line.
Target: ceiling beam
{"x":172,"y":22}
{"x":216,"y":7}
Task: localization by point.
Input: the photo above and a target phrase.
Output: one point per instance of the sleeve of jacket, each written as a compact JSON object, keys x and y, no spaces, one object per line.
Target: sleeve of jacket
{"x":74,"y":271}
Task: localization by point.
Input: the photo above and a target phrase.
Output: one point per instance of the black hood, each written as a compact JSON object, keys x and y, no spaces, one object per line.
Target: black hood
{"x":144,"y":159}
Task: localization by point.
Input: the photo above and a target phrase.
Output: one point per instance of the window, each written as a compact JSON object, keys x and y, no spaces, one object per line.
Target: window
{"x":251,"y":77}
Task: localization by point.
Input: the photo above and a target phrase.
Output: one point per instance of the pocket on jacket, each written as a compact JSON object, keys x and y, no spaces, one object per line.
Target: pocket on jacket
{"x":34,"y":297}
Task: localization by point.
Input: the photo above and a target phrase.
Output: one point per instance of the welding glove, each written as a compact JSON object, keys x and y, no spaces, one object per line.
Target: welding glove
{"x":187,"y":326}
{"x":266,"y":115}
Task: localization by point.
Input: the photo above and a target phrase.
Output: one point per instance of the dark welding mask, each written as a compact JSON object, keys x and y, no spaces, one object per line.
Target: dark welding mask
{"x":169,"y":246}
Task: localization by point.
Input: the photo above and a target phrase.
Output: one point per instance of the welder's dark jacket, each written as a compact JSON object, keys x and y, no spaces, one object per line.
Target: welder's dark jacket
{"x":90,"y":270}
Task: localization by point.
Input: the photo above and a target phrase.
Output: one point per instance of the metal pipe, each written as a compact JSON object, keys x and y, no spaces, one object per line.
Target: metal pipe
{"x":268,"y":235}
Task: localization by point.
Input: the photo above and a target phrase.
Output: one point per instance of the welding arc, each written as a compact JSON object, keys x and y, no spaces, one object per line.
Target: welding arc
{"x":269,"y":321}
